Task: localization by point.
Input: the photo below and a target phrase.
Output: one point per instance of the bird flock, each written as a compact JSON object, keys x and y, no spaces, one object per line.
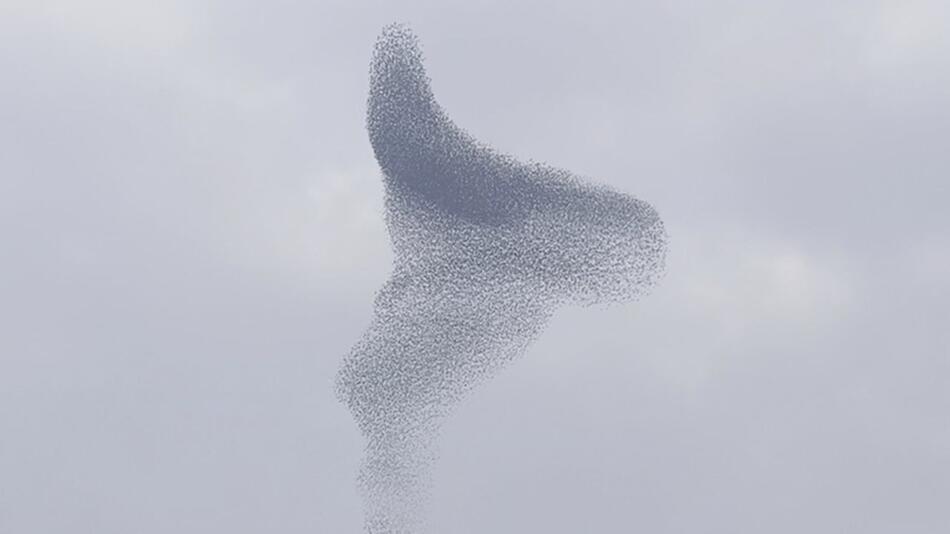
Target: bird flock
{"x":486,"y":248}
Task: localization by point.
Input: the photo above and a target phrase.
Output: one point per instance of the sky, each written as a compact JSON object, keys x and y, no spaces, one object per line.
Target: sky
{"x":192,"y":233}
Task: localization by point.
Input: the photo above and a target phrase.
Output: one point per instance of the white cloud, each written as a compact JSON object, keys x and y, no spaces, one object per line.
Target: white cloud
{"x":148,"y":25}
{"x":745,"y":278}
{"x":350,"y":230}
{"x":907,"y":31}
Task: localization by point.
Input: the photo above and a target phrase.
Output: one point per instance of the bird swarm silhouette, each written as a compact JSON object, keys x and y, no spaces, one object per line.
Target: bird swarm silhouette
{"x":486,"y":248}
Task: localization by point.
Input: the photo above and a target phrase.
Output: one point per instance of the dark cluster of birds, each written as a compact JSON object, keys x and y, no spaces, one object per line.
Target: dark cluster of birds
{"x":486,"y":248}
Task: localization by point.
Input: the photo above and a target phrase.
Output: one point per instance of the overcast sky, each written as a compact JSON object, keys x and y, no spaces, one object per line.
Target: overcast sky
{"x":192,"y":235}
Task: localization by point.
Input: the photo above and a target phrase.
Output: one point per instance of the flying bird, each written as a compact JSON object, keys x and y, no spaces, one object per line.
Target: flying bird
{"x":486,"y":248}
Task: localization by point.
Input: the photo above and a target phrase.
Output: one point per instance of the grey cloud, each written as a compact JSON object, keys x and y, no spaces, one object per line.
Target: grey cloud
{"x":170,"y":340}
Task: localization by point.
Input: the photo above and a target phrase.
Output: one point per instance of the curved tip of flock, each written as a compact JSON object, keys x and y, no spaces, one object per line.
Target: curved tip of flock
{"x":398,"y":61}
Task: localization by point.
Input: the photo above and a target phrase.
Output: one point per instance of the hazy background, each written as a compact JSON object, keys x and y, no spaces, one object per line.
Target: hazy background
{"x":191,"y":236}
